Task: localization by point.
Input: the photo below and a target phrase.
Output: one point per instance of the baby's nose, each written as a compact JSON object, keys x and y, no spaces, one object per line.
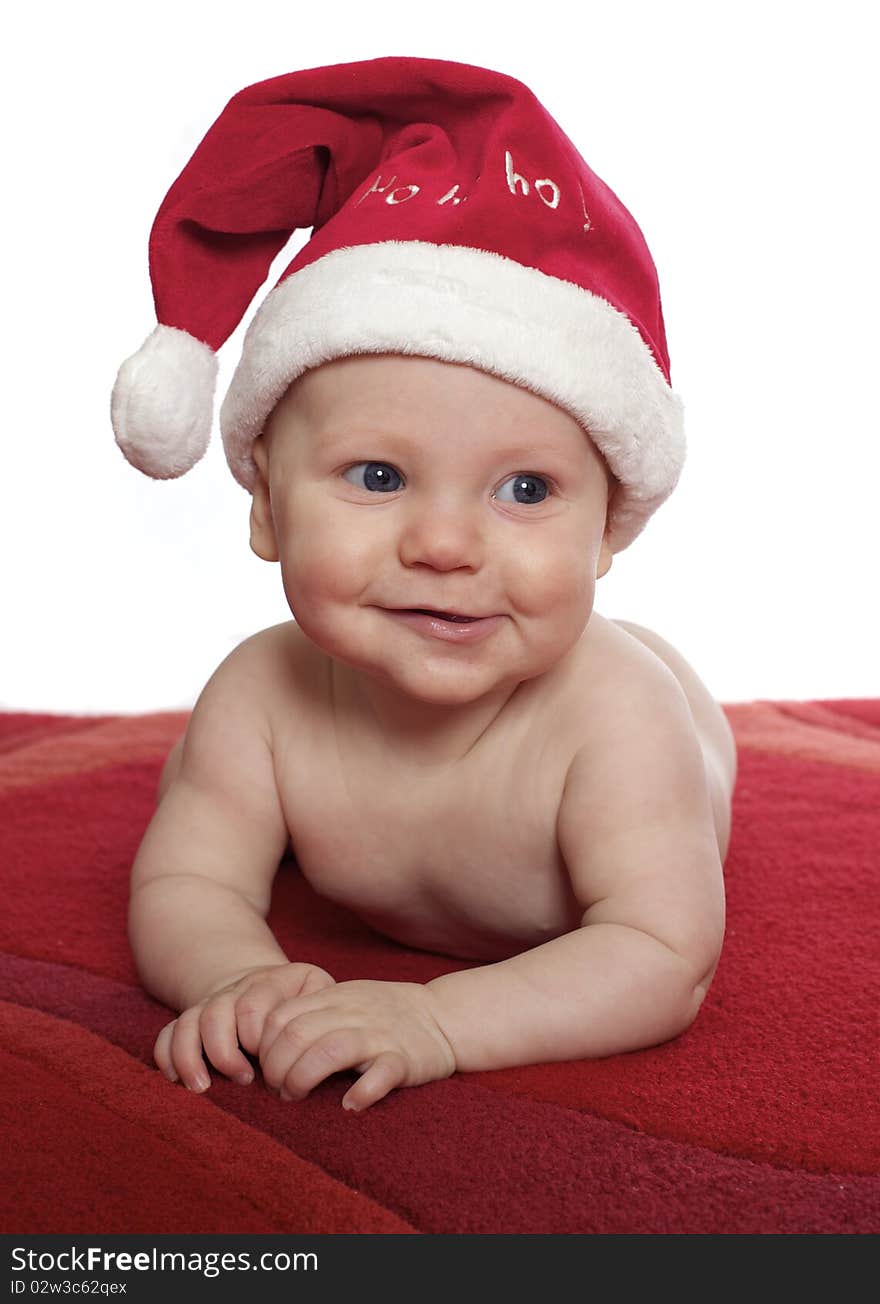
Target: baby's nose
{"x":444,"y":533}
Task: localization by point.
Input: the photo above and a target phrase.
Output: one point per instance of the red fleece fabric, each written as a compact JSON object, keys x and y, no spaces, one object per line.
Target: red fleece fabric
{"x":761,"y":1118}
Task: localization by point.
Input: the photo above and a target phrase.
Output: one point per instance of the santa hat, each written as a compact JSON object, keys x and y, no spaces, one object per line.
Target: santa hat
{"x":451,"y":218}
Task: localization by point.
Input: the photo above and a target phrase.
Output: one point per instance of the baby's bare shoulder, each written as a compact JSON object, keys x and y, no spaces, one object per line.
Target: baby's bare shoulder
{"x":635,"y":824}
{"x":637,"y":757}
{"x":249,"y":691}
{"x":618,"y":689}
{"x":220,"y":806}
{"x":286,"y":668}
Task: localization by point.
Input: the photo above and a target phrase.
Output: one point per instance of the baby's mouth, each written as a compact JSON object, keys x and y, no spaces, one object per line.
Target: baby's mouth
{"x":441,"y":615}
{"x":448,"y":626}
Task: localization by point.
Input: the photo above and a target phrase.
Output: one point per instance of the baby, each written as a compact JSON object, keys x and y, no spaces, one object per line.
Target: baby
{"x":448,"y":737}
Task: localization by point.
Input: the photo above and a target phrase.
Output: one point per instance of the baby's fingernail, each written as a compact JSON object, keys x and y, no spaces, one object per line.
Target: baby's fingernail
{"x":244,"y":1079}
{"x":347,"y":1104}
{"x":201,"y":1082}
{"x":171,"y":1075}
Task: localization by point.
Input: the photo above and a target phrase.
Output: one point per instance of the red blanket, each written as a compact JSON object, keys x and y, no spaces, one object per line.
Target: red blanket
{"x":762,"y":1118}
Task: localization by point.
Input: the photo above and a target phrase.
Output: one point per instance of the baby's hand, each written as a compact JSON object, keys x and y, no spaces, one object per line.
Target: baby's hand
{"x":231,"y":1017}
{"x":385,"y":1031}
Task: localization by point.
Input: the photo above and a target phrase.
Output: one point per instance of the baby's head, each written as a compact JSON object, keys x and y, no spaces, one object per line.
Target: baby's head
{"x":390,"y":482}
{"x":473,"y":304}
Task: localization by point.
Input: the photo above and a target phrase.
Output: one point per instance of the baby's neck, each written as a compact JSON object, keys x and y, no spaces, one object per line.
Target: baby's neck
{"x":418,"y":734}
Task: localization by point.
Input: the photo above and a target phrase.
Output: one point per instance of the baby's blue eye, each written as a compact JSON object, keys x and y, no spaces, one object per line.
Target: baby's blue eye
{"x":528,"y":488}
{"x":378,"y":476}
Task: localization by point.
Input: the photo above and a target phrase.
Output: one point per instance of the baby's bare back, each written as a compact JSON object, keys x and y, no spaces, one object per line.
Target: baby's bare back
{"x":465,"y":859}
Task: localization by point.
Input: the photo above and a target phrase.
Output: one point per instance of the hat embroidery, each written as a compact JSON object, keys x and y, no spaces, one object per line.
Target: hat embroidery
{"x":401,"y":194}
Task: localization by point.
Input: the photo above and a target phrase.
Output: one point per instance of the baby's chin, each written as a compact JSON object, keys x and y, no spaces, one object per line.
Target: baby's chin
{"x":444,"y":676}
{"x":451,"y":685}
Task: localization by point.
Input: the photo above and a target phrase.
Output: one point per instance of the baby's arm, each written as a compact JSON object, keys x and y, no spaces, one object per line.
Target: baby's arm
{"x":636,"y":831}
{"x":201,"y":884}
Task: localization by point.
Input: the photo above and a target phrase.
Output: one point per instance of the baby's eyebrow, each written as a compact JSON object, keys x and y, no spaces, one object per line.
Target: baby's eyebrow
{"x":410,"y":444}
{"x":339,"y":441}
{"x":341,"y":435}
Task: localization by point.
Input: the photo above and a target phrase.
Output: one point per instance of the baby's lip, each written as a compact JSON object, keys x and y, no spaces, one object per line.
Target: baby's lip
{"x":435,"y":611}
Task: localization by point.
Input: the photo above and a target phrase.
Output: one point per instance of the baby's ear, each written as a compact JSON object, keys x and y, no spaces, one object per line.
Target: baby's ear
{"x":603,"y":565}
{"x":263,"y":541}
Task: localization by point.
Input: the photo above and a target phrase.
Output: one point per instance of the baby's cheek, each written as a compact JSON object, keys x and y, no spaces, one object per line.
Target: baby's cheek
{"x":309,"y":585}
{"x":324,"y":579}
{"x":319,"y":559}
{"x":555,"y":581}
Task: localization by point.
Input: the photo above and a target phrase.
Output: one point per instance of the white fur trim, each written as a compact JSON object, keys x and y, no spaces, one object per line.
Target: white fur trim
{"x":469,"y":305}
{"x":163,"y":403}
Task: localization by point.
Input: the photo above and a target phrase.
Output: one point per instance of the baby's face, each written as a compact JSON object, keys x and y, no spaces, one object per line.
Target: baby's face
{"x":390,"y":482}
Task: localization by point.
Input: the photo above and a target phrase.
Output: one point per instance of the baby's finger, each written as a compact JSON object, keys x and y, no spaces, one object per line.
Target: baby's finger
{"x":291,"y":1041}
{"x":316,"y":979}
{"x":283,"y":1014}
{"x":386,"y":1072}
{"x":186,"y":1050}
{"x":251,"y":1009}
{"x":162,"y":1052}
{"x":217,"y":1029}
{"x":339,"y":1049}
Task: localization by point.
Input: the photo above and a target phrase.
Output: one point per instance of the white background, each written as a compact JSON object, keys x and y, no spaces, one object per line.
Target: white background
{"x":741,"y":137}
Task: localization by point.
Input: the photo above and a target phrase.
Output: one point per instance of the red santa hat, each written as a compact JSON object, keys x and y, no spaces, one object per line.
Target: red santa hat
{"x":451,"y":218}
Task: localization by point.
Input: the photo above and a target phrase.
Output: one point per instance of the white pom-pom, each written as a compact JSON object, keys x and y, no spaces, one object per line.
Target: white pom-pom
{"x":162,"y":405}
